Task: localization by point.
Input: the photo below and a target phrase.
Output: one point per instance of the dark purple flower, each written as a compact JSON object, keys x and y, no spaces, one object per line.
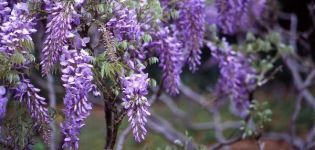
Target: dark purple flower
{"x":191,"y":28}
{"x":237,"y":77}
{"x":238,"y":15}
{"x":134,"y":101}
{"x":77,"y":79}
{"x":36,"y":105}
{"x":58,"y":29}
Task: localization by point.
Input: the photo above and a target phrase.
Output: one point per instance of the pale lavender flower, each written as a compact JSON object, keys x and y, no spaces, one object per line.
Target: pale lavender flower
{"x":58,"y":29}
{"x":171,"y":59}
{"x":28,"y":94}
{"x":238,"y":15}
{"x":16,"y":29}
{"x":3,"y":102}
{"x":134,"y":101}
{"x":191,"y":28}
{"x":77,"y":79}
{"x":237,"y":77}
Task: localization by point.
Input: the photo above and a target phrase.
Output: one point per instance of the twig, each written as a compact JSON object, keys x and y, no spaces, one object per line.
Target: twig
{"x":52,"y":104}
{"x":122,"y":137}
{"x":228,"y":142}
{"x":297,"y":79}
{"x":169,"y":102}
{"x":161,"y":126}
{"x":206,"y":104}
{"x":294,"y":116}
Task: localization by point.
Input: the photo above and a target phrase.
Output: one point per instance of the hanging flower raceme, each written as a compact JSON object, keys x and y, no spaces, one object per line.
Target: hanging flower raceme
{"x":134,"y":101}
{"x":171,"y":59}
{"x":58,"y":29}
{"x":123,"y":24}
{"x":191,"y":28}
{"x":238,"y":15}
{"x":27,"y":93}
{"x":77,"y":79}
{"x":3,"y":102}
{"x":237,"y":77}
{"x":16,"y":30}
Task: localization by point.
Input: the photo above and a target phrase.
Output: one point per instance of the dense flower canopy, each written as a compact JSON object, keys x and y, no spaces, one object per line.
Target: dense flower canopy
{"x":107,"y":48}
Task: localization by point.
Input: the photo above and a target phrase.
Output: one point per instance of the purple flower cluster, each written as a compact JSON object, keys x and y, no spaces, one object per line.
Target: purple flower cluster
{"x":16,"y":29}
{"x":4,"y":11}
{"x":36,"y":105}
{"x":134,"y":101}
{"x":171,"y":59}
{"x":191,"y":28}
{"x":123,"y":24}
{"x":77,"y":79}
{"x":58,"y":29}
{"x":3,"y":102}
{"x":238,"y":15}
{"x":237,"y":78}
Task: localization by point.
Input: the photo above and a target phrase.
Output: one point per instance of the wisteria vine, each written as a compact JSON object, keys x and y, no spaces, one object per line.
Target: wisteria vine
{"x":107,"y":48}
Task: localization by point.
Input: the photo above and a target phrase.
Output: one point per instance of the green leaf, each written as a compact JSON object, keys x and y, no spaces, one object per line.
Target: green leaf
{"x":153,"y":60}
{"x":147,"y":38}
{"x":123,"y":45}
{"x":27,"y":45}
{"x":152,"y":82}
{"x":17,"y":58}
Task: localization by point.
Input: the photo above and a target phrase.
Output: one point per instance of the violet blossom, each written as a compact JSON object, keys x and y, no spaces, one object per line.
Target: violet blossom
{"x":191,"y":28}
{"x":61,"y":14}
{"x":4,"y":11}
{"x":123,"y":24}
{"x":237,"y":77}
{"x":134,"y":101}
{"x":171,"y":59}
{"x":238,"y":15}
{"x":3,"y":102}
{"x":28,"y":94}
{"x":77,"y":79}
{"x":18,"y":28}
